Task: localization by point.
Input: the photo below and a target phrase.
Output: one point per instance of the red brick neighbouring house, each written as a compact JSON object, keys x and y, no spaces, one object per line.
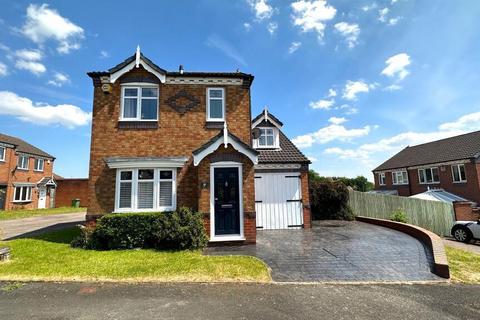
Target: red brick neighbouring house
{"x":452,"y":164}
{"x":26,"y":179}
{"x":162,"y":140}
{"x":69,"y":189}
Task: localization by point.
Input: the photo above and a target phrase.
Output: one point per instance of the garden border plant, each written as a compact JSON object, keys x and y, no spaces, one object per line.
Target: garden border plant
{"x":177,"y":230}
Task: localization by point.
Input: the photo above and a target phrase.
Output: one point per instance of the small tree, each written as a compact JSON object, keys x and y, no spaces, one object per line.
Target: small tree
{"x":329,"y":200}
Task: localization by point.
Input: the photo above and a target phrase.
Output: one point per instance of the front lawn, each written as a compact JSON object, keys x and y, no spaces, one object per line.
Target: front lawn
{"x":17,"y":214}
{"x":50,"y":257}
{"x":464,"y":265}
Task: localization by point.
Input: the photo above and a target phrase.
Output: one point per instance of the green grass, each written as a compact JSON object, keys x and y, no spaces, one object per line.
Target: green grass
{"x":464,"y":266}
{"x":17,"y":214}
{"x":49,"y":257}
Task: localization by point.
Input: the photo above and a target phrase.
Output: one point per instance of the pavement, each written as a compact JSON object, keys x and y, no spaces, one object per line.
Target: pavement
{"x":11,"y":229}
{"x":339,"y":251}
{"x":238,"y":301}
{"x":473,"y":246}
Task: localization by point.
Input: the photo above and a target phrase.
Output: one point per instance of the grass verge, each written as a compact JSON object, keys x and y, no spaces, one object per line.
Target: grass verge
{"x":17,"y":214}
{"x":464,"y":265}
{"x":49,"y":257}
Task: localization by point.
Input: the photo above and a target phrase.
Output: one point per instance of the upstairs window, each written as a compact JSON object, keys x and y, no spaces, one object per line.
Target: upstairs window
{"x":428,"y":175}
{"x":139,"y":103}
{"x":3,"y":150}
{"x":22,"y":162}
{"x":267,"y":138}
{"x":458,"y":173}
{"x":39,"y":164}
{"x":215,"y":104}
{"x":400,"y":177}
{"x":23,"y":194}
{"x":381,"y":179}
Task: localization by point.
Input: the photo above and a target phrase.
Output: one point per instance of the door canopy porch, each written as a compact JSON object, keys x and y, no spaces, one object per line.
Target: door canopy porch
{"x":226,"y":138}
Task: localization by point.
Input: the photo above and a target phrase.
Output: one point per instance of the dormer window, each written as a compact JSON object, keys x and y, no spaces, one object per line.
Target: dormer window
{"x":215,"y":104}
{"x":139,"y":103}
{"x":268,"y":138}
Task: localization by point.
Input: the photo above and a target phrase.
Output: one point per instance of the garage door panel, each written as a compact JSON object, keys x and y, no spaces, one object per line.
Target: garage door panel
{"x":274,"y":193}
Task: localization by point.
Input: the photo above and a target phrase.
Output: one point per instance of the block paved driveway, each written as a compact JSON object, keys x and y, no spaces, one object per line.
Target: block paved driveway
{"x":338,"y":251}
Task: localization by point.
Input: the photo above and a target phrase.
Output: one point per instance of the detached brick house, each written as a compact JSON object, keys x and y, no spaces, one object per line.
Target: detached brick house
{"x":26,"y":178}
{"x":452,"y":164}
{"x":162,"y":140}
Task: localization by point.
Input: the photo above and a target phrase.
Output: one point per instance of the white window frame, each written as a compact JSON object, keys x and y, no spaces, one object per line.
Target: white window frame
{"x":223,"y":104}
{"x":276,"y":139}
{"x":156,"y":189}
{"x":38,"y":168}
{"x":399,"y":173}
{"x":458,"y":168}
{"x":382,"y":179}
{"x":23,"y":188}
{"x":422,"y":173}
{"x":3,"y":153}
{"x":139,"y":98}
{"x":27,"y":162}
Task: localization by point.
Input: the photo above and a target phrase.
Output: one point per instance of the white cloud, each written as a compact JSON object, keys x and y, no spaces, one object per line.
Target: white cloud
{"x":312,"y":158}
{"x":397,"y":66}
{"x":322,"y":104}
{"x":382,"y":14}
{"x":294,"y":46}
{"x":104,"y":54}
{"x":468,"y":122}
{"x":353,"y":88}
{"x":386,"y":147}
{"x":332,"y":93}
{"x":393,"y":21}
{"x":330,"y":133}
{"x":263,"y":10}
{"x":312,"y":15}
{"x":369,"y":7}
{"x":272,"y":27}
{"x":337,"y":120}
{"x":34,"y":67}
{"x":59,"y":79}
{"x":29,"y":55}
{"x":348,"y":109}
{"x":45,"y":24}
{"x":349,"y":31}
{"x":24,"y":109}
{"x":247,"y":26}
{"x":3,"y":69}
{"x":216,"y":41}
{"x":393,"y":87}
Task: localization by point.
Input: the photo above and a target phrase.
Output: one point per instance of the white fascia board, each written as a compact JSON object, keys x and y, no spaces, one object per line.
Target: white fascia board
{"x":114,"y":77}
{"x":142,"y":163}
{"x":214,"y":146}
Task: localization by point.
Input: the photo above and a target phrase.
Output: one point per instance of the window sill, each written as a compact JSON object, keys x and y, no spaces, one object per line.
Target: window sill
{"x":23,"y":201}
{"x":123,"y":124}
{"x":209,"y":124}
{"x":426,"y":183}
{"x":38,"y":170}
{"x":22,"y":169}
{"x":400,"y":184}
{"x":459,"y":182}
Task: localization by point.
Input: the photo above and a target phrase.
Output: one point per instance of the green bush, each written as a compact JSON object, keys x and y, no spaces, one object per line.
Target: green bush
{"x":329,"y":200}
{"x":181,"y":229}
{"x":399,"y":216}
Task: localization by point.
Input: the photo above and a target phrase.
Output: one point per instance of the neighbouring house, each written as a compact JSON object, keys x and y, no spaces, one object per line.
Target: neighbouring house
{"x":69,"y":189}
{"x":162,"y":140}
{"x":451,"y":164}
{"x":26,"y":178}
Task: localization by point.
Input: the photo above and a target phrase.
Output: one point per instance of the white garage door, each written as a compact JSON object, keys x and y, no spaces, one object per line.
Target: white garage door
{"x":278,"y":200}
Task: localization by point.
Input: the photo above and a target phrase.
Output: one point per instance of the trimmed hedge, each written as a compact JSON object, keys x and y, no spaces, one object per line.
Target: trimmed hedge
{"x":329,"y":200}
{"x":181,"y":229}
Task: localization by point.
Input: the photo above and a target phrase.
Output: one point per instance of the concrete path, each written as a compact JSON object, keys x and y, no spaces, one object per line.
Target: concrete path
{"x":237,"y":301}
{"x":473,"y":246}
{"x":339,"y":251}
{"x":34,"y":225}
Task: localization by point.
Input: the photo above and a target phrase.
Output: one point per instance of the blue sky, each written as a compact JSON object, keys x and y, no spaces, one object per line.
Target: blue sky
{"x":353,"y":81}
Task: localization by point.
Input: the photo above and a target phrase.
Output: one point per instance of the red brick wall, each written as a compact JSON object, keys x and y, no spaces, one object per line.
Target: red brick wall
{"x":465,"y":212}
{"x":307,"y":212}
{"x":69,"y":189}
{"x":469,"y":190}
{"x":9,"y":176}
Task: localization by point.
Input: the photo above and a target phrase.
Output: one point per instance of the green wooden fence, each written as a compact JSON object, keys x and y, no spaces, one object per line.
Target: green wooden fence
{"x":435,"y":216}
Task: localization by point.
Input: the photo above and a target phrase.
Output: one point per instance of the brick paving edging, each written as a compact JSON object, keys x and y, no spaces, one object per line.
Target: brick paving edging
{"x":430,"y":239}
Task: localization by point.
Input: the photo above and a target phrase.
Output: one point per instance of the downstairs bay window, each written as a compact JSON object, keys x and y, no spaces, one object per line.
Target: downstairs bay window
{"x":22,"y":194}
{"x":141,"y":190}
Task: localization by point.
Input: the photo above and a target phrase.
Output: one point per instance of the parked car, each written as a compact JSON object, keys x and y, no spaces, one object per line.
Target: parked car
{"x":465,"y":231}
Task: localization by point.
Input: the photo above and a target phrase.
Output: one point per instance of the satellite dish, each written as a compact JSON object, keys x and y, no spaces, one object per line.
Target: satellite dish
{"x":256,"y":133}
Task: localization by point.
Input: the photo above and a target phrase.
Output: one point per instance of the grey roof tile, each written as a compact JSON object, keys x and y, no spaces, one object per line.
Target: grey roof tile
{"x":23,"y":146}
